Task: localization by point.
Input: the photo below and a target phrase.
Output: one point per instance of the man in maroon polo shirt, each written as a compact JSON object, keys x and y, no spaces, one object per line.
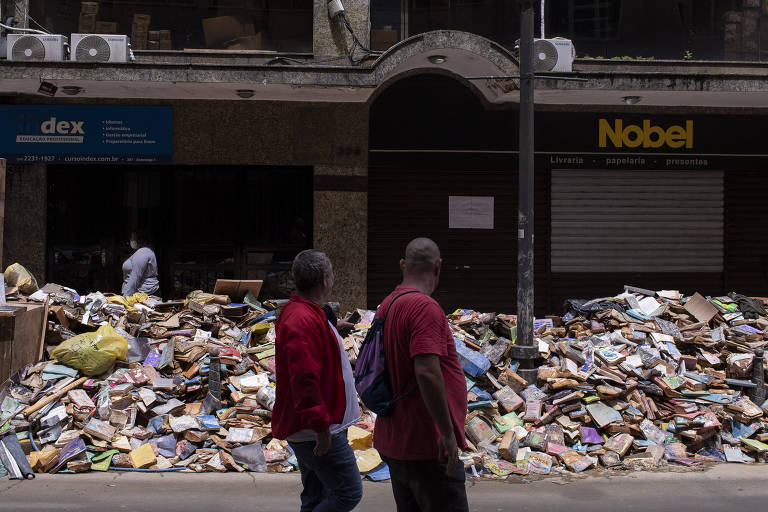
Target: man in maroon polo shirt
{"x":316,"y":399}
{"x":420,"y":439}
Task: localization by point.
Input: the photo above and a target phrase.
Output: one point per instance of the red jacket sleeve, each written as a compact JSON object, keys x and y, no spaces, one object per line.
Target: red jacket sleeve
{"x":300,"y":345}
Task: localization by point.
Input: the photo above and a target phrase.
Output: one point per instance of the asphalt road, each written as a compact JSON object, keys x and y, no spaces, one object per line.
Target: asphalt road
{"x":723,"y":488}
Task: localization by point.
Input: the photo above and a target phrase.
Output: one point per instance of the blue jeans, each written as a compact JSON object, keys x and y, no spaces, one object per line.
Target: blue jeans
{"x":332,"y":481}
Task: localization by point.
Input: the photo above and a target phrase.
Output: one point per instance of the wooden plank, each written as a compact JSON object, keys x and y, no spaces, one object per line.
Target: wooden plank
{"x":26,"y":336}
{"x":6,"y":341}
{"x":41,"y":344}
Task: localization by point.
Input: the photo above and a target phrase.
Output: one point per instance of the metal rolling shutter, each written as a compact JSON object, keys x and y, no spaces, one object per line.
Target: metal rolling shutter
{"x":637,"y":221}
{"x":746,"y":253}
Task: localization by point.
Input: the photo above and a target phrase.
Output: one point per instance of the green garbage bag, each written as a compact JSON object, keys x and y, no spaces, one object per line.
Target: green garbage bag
{"x":92,"y":352}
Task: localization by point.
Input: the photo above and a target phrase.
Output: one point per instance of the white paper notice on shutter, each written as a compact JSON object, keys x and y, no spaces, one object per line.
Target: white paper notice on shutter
{"x":470,"y":212}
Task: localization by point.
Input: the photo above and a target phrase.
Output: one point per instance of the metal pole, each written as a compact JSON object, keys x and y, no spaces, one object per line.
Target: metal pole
{"x":214,"y":374}
{"x":527,"y":352}
{"x":758,"y":377}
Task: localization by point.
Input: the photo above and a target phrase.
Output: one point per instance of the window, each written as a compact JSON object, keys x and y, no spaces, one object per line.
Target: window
{"x":395,"y":20}
{"x":279,"y":25}
{"x":205,"y":222}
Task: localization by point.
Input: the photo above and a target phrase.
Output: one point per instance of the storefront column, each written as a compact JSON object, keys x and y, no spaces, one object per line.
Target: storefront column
{"x":331,"y":38}
{"x":26,"y":208}
{"x":341,"y":230}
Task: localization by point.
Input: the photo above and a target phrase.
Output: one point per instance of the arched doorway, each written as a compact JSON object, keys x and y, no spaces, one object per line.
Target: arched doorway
{"x":432,"y":139}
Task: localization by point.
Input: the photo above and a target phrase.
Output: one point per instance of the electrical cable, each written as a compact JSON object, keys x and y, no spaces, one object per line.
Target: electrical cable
{"x":32,"y":441}
{"x":367,"y":52}
{"x":38,"y":24}
{"x":27,"y":15}
{"x":31,"y":30}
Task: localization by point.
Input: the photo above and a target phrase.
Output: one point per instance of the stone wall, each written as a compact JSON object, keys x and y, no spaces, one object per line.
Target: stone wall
{"x":26,"y":205}
{"x":746,"y":31}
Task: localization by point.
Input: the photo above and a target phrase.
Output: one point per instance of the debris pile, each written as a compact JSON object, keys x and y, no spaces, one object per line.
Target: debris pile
{"x":134,"y":383}
{"x":634,"y":381}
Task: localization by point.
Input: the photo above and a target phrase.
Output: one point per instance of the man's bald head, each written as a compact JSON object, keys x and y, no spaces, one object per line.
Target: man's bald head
{"x":421,"y":256}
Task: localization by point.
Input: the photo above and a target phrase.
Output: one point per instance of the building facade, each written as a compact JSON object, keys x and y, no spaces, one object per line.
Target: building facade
{"x":233,"y":158}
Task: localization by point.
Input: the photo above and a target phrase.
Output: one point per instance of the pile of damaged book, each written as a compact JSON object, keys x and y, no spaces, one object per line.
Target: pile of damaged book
{"x":639,"y":380}
{"x":133,"y":383}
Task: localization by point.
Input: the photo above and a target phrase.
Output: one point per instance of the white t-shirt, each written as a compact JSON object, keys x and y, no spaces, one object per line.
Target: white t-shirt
{"x":351,"y":410}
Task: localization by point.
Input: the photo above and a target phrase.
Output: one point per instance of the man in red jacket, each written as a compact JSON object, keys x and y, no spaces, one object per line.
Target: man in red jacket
{"x":316,"y":399}
{"x":419,"y":441}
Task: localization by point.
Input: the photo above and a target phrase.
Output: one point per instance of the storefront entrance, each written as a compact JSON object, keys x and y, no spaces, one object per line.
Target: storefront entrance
{"x":442,"y":166}
{"x":205,"y":223}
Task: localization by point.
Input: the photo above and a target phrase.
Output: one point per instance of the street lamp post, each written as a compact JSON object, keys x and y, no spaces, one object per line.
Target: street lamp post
{"x":525,"y":351}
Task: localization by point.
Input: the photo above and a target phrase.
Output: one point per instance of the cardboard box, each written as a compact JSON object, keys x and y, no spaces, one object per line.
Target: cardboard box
{"x":86,"y":23}
{"x":138,"y":37}
{"x":153,"y":35}
{"x":106,"y":27}
{"x":165,"y":45}
{"x":142,"y":19}
{"x":165,"y":35}
{"x":383,"y":39}
{"x":236,"y":289}
{"x":89,"y":8}
{"x":139,"y":30}
{"x":224,"y":29}
{"x":247,"y":43}
{"x":153,"y":45}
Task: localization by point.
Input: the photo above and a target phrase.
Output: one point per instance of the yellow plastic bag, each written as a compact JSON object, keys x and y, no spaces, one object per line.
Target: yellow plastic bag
{"x":92,"y":352}
{"x":17,"y":275}
{"x":136,"y":297}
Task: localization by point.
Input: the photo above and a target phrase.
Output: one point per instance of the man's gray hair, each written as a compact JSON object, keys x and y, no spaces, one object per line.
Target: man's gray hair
{"x":309,"y":267}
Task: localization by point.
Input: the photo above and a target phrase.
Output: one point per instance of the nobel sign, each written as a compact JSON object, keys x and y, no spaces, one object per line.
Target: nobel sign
{"x":647,"y":135}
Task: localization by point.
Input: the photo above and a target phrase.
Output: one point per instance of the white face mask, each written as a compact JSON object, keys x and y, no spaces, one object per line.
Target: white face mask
{"x":134,"y":244}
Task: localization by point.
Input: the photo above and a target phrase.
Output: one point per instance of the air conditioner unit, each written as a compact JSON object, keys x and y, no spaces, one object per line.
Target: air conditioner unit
{"x":554,"y":55}
{"x":99,"y":48}
{"x":36,"y":47}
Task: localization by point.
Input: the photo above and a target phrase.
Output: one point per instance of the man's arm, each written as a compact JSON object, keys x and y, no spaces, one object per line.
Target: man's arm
{"x":304,"y":371}
{"x":429,"y":377}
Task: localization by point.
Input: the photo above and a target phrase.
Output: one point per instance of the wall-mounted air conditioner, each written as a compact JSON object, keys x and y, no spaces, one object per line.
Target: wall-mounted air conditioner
{"x":48,"y":47}
{"x":554,"y":55}
{"x":99,"y":48}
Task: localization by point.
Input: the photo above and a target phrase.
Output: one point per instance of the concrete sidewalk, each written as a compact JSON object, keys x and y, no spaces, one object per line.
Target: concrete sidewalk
{"x":722,"y":488}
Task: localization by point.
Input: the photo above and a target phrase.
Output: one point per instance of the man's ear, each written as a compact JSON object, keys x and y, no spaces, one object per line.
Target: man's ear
{"x":438,"y":266}
{"x":402,"y":264}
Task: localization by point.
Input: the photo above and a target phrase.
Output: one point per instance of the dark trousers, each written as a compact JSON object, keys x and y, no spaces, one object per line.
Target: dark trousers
{"x":423,"y":486}
{"x":331,"y":482}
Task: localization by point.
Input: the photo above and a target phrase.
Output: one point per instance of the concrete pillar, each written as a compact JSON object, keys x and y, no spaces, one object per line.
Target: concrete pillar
{"x":330,"y":37}
{"x":732,"y":35}
{"x":750,"y":31}
{"x":19,"y":11}
{"x":341,"y":230}
{"x":26,"y":218}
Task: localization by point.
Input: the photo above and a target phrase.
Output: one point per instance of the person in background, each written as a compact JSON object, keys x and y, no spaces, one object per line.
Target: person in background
{"x":140,"y":269}
{"x":421,"y":438}
{"x":316,"y":399}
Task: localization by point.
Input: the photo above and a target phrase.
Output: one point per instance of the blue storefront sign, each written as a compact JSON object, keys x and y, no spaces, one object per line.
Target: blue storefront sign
{"x":86,"y":134}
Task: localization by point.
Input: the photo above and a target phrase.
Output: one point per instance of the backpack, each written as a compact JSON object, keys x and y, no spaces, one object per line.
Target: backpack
{"x":371,"y":373}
